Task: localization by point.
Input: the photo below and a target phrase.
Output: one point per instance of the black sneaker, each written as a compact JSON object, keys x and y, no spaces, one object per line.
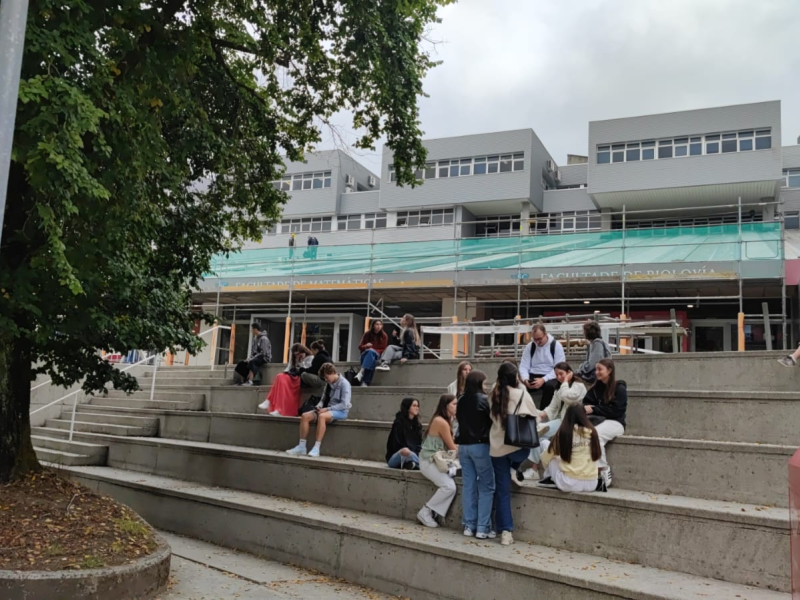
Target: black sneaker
{"x":547,"y":482}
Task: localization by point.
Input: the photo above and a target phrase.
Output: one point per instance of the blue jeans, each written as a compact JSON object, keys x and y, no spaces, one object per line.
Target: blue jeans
{"x":477,"y":476}
{"x":502,"y":493}
{"x":369,"y":359}
{"x":536,"y":453}
{"x":397,"y":460}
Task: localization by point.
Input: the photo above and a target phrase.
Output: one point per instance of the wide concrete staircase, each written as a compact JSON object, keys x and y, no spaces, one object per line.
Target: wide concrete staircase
{"x":698,"y":508}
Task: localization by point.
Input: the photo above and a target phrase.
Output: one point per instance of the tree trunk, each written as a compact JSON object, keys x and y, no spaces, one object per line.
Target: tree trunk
{"x":17,"y":457}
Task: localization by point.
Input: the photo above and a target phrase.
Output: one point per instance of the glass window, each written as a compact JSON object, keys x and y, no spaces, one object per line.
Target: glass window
{"x":454,"y":168}
{"x":791,"y":220}
{"x":745,"y":144}
{"x":493,"y":164}
{"x":519,"y":161}
{"x":318,"y":179}
{"x":444,"y":168}
{"x":392,"y":174}
{"x":418,"y":174}
{"x":696,"y":146}
{"x":665,"y":149}
{"x":466,"y":166}
{"x":729,"y":143}
{"x":430,"y":170}
{"x":763,"y":142}
{"x":402,"y":219}
{"x":479,"y":168}
{"x":618,"y":153}
{"x":648,"y":150}
{"x":380,"y":221}
{"x":681,"y":146}
{"x":448,"y":216}
{"x":792,"y":178}
{"x":326,"y":223}
{"x":633,"y":152}
{"x":297,"y":183}
{"x":438,"y":217}
{"x":506,"y":163}
{"x":603,"y":155}
{"x":424,"y":217}
{"x":413,"y":218}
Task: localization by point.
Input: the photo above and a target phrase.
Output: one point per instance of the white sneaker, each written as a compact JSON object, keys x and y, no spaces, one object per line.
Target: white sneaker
{"x":275,"y":413}
{"x":514,"y":479}
{"x":360,"y":375}
{"x":248,"y":383}
{"x":542,"y":429}
{"x":788,"y":361}
{"x":530,"y":475}
{"x":482,"y":536}
{"x":264,"y":405}
{"x":506,"y":539}
{"x":364,"y":384}
{"x":298,"y":450}
{"x":468,"y":532}
{"x":492,"y":534}
{"x":425,"y":517}
{"x":383,"y":367}
{"x":605,"y":475}
{"x":314,"y":453}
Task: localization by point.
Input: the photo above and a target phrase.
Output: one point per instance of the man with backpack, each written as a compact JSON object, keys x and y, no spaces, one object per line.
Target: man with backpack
{"x":537,"y":368}
{"x":313,"y":242}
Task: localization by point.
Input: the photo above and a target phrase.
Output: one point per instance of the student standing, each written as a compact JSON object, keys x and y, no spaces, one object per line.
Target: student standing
{"x":507,"y":399}
{"x":477,"y":473}
{"x":438,"y":437}
{"x":606,"y":404}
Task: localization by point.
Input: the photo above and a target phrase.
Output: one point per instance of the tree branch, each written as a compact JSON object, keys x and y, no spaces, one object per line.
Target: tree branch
{"x":221,"y":58}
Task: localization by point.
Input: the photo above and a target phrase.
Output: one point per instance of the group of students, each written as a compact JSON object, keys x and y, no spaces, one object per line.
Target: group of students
{"x":585,"y":411}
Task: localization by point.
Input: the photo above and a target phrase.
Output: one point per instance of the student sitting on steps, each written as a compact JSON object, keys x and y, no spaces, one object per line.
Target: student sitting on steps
{"x":536,"y":369}
{"x":309,"y":378}
{"x":373,"y":344}
{"x":439,"y":437}
{"x":334,"y":406}
{"x":405,"y":438}
{"x":284,"y":395}
{"x":570,"y":460}
{"x":571,"y":391}
{"x":606,"y":404}
{"x":408,"y":348}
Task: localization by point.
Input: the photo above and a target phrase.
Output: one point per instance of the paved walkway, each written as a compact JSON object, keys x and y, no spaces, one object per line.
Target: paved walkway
{"x":203,"y":571}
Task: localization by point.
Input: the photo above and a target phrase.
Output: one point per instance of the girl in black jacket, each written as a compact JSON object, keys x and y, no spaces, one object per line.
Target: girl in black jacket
{"x":405,"y":439}
{"x":606,"y":404}
{"x":309,"y":378}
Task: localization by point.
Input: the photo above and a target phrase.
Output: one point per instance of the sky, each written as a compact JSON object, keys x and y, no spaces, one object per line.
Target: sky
{"x":555,"y":66}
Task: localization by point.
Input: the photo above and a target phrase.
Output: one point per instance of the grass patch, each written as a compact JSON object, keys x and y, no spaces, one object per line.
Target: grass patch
{"x":56,"y":550}
{"x":92,"y":562}
{"x":132,"y":527}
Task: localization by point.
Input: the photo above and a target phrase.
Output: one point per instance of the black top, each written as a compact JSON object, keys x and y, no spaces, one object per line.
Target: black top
{"x":409,"y":344}
{"x":615,"y":409}
{"x":405,"y":434}
{"x":320,"y":358}
{"x":474,"y":419}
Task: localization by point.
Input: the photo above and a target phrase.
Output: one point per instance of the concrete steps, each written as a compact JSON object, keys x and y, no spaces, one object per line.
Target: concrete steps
{"x":67,"y":459}
{"x":194,"y":399}
{"x":94,"y":414}
{"x":63,"y":452}
{"x":394,"y":555}
{"x":90,"y":424}
{"x":672,"y":532}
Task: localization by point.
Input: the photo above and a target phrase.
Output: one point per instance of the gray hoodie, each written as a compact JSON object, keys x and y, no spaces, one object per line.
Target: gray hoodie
{"x":261,"y":347}
{"x":596,"y":351}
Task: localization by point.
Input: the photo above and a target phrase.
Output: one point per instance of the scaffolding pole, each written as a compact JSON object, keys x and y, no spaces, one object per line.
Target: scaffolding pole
{"x":622,"y":274}
{"x":782,"y":250}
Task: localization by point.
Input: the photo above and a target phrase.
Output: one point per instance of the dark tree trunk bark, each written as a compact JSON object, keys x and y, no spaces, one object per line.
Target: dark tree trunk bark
{"x":17,"y":457}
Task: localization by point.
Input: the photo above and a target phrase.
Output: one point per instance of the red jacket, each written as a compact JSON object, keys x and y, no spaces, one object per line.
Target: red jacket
{"x":379,"y":341}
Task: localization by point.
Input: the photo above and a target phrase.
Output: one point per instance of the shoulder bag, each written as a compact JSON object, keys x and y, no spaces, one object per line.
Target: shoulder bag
{"x":521,"y":430}
{"x":445,"y":460}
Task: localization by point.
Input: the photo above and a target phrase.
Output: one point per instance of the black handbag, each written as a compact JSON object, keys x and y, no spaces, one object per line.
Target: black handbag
{"x":596,"y":419}
{"x":309,"y":405}
{"x":521,"y":430}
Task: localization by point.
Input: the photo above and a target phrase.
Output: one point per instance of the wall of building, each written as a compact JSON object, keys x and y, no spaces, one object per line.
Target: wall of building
{"x":577,"y":174}
{"x":464,"y":190}
{"x":564,"y":200}
{"x":320,"y":201}
{"x":686,"y":171}
{"x":791,"y":157}
{"x":350,"y":166}
{"x":359,"y":202}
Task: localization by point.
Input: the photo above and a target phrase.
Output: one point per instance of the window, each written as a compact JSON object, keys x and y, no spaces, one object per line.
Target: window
{"x":430,"y":170}
{"x":416,"y":218}
{"x":728,"y":142}
{"x":618,"y":153}
{"x":375,"y":221}
{"x":696,"y":146}
{"x":392,"y":173}
{"x":763,"y":139}
{"x":665,"y":149}
{"x":444,"y":168}
{"x":633,"y":152}
{"x":681,"y":146}
{"x":349,"y":222}
{"x":792,"y":178}
{"x":319,"y":178}
{"x":479,"y":166}
{"x":466,"y":166}
{"x":603,"y":155}
{"x":566,"y":222}
{"x":506,"y":163}
{"x":712,"y":144}
{"x":745,"y":141}
{"x":519,"y":161}
{"x":497,"y":226}
{"x":791,"y":220}
{"x":648,"y":150}
{"x":304,"y":225}
{"x":304,"y":181}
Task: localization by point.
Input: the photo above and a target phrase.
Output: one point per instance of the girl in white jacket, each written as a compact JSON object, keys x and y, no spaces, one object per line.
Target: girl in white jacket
{"x":570,"y":392}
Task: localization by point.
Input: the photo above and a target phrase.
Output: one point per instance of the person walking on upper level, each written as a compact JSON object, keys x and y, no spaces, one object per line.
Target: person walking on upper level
{"x":606,"y":404}
{"x":409,"y":348}
{"x":405,"y":438}
{"x":334,"y":406}
{"x":595,"y":351}
{"x":292,"y":243}
{"x":438,"y":438}
{"x":373,"y":344}
{"x":537,"y":367}
{"x":477,"y":473}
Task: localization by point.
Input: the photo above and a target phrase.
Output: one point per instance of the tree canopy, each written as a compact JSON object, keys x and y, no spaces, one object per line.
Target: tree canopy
{"x":147,"y":139}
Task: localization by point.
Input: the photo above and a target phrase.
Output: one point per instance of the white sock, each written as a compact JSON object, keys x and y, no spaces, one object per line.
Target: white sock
{"x":302,"y":443}
{"x":316,"y":445}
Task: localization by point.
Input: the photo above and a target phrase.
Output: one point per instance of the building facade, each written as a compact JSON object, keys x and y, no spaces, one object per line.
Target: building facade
{"x":696,"y":210}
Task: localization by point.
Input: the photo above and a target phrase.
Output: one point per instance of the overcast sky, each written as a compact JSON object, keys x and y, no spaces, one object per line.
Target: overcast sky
{"x":555,"y":66}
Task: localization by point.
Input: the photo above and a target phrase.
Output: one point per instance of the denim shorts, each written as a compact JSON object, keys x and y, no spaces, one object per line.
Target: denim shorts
{"x":339,"y":415}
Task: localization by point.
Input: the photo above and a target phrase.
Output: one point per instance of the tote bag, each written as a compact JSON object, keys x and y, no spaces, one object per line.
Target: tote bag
{"x":521,"y":430}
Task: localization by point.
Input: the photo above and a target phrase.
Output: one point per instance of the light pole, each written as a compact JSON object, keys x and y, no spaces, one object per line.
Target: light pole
{"x":13,"y":18}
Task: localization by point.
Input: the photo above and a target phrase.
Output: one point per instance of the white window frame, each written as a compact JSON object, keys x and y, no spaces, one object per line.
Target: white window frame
{"x":790,"y":173}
